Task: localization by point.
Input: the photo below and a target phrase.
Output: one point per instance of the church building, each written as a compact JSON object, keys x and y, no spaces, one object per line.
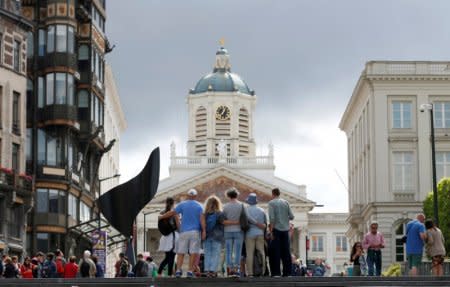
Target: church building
{"x":221,"y":153}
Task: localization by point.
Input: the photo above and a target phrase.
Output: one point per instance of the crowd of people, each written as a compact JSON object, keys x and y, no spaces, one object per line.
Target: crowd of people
{"x":232,"y":239}
{"x":243,"y":231}
{"x":366,"y":256}
{"x":51,"y":265}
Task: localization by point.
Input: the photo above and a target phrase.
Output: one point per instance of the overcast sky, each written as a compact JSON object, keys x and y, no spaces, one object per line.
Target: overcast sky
{"x":303,"y":59}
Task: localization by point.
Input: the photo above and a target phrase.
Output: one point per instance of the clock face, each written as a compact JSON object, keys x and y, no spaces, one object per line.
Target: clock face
{"x":223,"y":113}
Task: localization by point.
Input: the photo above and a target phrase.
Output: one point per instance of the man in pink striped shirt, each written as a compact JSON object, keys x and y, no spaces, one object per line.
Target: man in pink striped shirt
{"x":373,"y":242}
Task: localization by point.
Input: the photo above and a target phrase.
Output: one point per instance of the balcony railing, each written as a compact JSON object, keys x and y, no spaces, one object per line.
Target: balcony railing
{"x":407,"y":68}
{"x":236,"y":161}
{"x":19,"y":182}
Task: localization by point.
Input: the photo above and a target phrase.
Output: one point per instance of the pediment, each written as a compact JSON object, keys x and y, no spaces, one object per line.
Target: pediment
{"x":218,"y":180}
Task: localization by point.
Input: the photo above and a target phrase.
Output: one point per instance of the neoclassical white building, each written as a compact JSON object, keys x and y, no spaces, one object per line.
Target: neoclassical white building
{"x":389,"y":147}
{"x":221,"y":154}
{"x":114,"y":125}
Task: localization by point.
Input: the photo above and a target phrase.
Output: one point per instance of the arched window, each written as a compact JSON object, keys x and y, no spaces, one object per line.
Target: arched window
{"x":400,"y":248}
{"x":243,"y":124}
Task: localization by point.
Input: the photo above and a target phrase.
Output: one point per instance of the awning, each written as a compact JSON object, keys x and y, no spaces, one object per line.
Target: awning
{"x":86,"y":229}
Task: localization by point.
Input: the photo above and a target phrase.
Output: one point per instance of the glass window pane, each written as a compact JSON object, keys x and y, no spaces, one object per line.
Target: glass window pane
{"x":50,"y":89}
{"x":61,"y":38}
{"x":83,"y":99}
{"x":42,"y":200}
{"x":42,"y":242}
{"x":61,"y":90}
{"x":51,"y":151}
{"x":53,"y":201}
{"x":70,"y":39}
{"x":41,"y":89}
{"x":41,"y":40}
{"x":83,"y":52}
{"x":62,"y":202}
{"x":51,"y":39}
{"x":30,"y":45}
{"x":70,"y":90}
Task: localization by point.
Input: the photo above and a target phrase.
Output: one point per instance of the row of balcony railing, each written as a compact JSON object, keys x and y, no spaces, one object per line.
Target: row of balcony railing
{"x":15,"y":180}
{"x":235,"y":161}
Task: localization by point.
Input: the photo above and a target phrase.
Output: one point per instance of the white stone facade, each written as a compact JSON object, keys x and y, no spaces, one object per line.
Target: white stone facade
{"x":389,"y":148}
{"x":114,"y":125}
{"x":221,"y":154}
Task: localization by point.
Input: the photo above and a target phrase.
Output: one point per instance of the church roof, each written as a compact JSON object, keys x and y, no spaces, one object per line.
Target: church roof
{"x":221,"y":79}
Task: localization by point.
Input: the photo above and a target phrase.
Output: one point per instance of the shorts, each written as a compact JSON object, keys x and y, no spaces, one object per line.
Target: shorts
{"x":437,"y":260}
{"x":414,"y":260}
{"x":189,"y":242}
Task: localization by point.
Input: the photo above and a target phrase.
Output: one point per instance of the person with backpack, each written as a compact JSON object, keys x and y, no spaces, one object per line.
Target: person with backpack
{"x":140,"y":269}
{"x":151,"y":267}
{"x":192,"y":231}
{"x":254,"y":238}
{"x":49,"y":267}
{"x":168,"y":241}
{"x":60,"y":263}
{"x":212,"y":245}
{"x":100,"y":273}
{"x":122,"y":266}
{"x":87,"y":266}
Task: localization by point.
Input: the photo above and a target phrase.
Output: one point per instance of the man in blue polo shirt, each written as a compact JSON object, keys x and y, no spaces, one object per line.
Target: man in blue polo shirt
{"x":415,"y":236}
{"x":192,"y":231}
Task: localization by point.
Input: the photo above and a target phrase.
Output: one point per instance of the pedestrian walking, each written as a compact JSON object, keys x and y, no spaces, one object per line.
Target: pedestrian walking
{"x":415,"y":236}
{"x":435,"y":247}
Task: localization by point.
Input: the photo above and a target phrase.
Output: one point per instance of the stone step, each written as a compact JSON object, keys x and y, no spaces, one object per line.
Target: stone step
{"x":422,"y":281}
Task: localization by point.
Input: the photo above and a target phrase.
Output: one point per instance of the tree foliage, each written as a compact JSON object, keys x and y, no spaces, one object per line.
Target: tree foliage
{"x":443,"y":194}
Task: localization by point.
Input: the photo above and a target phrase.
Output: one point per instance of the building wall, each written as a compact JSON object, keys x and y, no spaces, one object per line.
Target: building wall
{"x":389,"y":149}
{"x":15,"y":187}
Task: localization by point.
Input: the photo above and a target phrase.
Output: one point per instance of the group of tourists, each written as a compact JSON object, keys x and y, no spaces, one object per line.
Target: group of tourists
{"x":366,"y":255}
{"x":51,"y":265}
{"x":242,"y":230}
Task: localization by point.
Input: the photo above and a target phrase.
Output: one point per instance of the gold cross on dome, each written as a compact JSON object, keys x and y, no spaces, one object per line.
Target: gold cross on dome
{"x":222,"y":42}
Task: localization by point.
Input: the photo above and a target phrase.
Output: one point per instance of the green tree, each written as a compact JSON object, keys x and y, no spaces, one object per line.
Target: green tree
{"x":443,"y":194}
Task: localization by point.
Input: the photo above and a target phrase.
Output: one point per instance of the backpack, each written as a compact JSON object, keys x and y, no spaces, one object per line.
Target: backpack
{"x":84,"y":269}
{"x":167,"y":225}
{"x":211,"y":220}
{"x":258,"y":264}
{"x":46,"y":271}
{"x":123,"y":270}
{"x":59,"y":266}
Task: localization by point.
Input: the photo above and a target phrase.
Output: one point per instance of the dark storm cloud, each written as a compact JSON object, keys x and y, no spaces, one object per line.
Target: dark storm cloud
{"x":303,"y":58}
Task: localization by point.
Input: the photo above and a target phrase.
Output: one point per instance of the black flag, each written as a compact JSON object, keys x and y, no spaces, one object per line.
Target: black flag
{"x":121,"y":204}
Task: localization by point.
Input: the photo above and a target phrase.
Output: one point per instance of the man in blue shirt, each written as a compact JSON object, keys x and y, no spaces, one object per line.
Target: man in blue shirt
{"x":192,"y":231}
{"x":415,"y":236}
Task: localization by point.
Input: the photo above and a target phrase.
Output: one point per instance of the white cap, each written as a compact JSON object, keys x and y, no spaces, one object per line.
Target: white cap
{"x":192,"y":192}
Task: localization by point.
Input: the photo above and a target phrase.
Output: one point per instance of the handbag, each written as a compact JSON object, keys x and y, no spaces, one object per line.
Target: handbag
{"x":243,"y":220}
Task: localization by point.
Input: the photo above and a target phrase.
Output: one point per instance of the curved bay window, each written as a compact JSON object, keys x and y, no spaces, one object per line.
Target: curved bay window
{"x":58,"y":89}
{"x":60,"y":38}
{"x":50,"y":201}
{"x":50,"y":149}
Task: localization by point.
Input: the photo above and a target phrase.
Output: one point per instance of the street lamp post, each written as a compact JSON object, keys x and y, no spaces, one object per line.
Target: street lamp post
{"x":430,"y":107}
